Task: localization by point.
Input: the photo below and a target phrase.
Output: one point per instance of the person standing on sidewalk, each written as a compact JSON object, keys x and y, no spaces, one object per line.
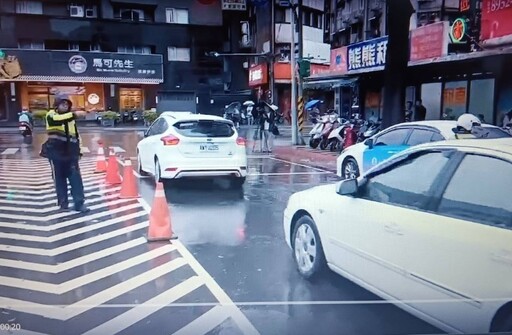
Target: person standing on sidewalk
{"x":63,"y":150}
{"x":267,"y":125}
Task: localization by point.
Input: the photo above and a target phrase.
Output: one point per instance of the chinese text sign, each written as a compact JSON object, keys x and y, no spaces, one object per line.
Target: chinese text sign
{"x":368,"y":54}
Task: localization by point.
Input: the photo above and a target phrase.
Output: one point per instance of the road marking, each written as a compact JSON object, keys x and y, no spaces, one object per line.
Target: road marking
{"x":287,"y":173}
{"x":298,"y":164}
{"x":61,"y":215}
{"x":206,"y":322}
{"x":39,"y":194}
{"x":10,"y":151}
{"x":52,"y":208}
{"x":61,"y":267}
{"x":73,"y":246}
{"x":118,"y":150}
{"x":86,"y":176}
{"x":88,"y":278}
{"x":85,"y":150}
{"x":81,"y":219}
{"x":140,"y":312}
{"x":9,"y":199}
{"x":95,"y":300}
{"x":49,"y":186}
{"x":236,"y":314}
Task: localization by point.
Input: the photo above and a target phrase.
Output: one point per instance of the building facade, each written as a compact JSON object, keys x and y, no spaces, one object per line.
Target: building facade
{"x":119,"y":54}
{"x":459,"y":51}
{"x":271,"y":34}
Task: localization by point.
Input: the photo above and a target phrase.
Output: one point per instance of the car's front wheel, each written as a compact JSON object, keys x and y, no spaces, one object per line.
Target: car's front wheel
{"x":350,"y":169}
{"x":307,"y":248}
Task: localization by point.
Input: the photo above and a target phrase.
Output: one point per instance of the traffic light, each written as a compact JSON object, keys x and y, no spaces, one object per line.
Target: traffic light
{"x":304,"y":68}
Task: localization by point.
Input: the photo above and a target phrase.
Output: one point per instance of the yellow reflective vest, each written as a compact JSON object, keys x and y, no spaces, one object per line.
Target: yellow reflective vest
{"x":56,"y":125}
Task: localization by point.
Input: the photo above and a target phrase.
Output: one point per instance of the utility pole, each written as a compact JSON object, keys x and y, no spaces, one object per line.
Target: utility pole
{"x":271,"y":61}
{"x":293,"y":64}
{"x":300,"y":101}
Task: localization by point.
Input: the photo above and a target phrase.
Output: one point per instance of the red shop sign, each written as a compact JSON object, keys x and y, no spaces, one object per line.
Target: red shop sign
{"x":496,"y":19}
{"x":258,"y":75}
{"x":429,"y":41}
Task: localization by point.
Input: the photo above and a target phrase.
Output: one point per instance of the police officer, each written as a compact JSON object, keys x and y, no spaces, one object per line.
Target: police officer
{"x":63,"y":151}
{"x":467,"y":126}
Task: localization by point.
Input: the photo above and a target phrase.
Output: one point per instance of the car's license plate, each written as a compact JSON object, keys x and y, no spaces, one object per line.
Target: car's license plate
{"x":209,"y":147}
{"x":22,"y":128}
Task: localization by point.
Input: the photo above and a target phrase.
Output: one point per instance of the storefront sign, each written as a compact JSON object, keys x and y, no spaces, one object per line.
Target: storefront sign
{"x":339,"y":60}
{"x":318,"y":69}
{"x":234,"y":5}
{"x":369,"y":54}
{"x":464,"y":5}
{"x":458,"y":30}
{"x":258,"y":75}
{"x":93,"y":99}
{"x":429,"y":41}
{"x":41,"y":65}
{"x":496,"y":20}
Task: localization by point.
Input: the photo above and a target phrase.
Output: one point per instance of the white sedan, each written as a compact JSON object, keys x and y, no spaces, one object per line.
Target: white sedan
{"x":429,"y":229}
{"x":360,"y":157}
{"x":181,"y":144}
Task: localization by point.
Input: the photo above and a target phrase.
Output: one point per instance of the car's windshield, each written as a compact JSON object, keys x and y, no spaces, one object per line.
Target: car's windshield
{"x":204,"y":128}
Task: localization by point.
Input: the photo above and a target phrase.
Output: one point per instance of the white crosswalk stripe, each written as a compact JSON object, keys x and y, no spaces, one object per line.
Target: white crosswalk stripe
{"x":12,"y":151}
{"x":103,"y":255}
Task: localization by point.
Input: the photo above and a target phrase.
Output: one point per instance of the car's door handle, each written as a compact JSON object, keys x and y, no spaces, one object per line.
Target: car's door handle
{"x":502,"y":256}
{"x":393,"y":228}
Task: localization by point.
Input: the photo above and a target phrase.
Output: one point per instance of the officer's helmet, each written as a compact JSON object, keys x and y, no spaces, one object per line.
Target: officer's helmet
{"x":62,"y":97}
{"x":468,"y":121}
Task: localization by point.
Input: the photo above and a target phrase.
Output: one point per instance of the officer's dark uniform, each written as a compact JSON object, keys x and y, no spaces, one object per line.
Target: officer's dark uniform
{"x":63,"y":151}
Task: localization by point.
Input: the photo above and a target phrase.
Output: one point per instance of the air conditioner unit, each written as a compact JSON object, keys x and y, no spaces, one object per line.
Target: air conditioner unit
{"x":76,"y":11}
{"x":91,"y":12}
{"x":245,"y":27}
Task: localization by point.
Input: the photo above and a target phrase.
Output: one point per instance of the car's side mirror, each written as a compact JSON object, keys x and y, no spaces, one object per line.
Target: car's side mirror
{"x":146,"y":133}
{"x":347,"y":187}
{"x":369,"y":143}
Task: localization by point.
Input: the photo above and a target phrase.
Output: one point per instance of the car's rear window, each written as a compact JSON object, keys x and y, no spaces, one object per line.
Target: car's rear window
{"x":204,"y":128}
{"x":489,"y":132}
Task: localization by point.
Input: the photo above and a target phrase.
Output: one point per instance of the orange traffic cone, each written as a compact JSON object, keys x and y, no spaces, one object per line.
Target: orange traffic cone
{"x":129,"y":187}
{"x":160,"y":227}
{"x":101,"y":163}
{"x":113,"y":177}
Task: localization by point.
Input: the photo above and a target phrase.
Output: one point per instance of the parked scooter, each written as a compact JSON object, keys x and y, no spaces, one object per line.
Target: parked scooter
{"x":331,"y":124}
{"x":336,"y":137}
{"x":315,"y":135}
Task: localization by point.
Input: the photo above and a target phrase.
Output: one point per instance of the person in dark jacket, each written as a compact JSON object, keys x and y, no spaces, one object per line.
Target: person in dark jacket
{"x":267,"y":122}
{"x":63,"y":151}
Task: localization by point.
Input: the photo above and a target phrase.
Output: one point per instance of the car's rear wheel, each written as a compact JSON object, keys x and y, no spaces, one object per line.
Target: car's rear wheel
{"x":505,"y":326}
{"x":349,"y":169}
{"x":238,"y":182}
{"x":307,"y":248}
{"x":158,"y":171}
{"x":139,"y":166}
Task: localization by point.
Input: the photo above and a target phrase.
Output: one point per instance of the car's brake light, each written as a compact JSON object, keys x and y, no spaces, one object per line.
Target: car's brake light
{"x":241,"y":141}
{"x":170,"y":140}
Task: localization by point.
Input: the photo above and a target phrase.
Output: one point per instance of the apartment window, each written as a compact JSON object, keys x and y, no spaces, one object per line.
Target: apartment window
{"x":29,"y":7}
{"x":178,"y":54}
{"x":29,"y":44}
{"x":174,"y":15}
{"x":73,"y":46}
{"x":145,"y":50}
{"x":83,"y":11}
{"x":95,"y":48}
{"x":131,"y":14}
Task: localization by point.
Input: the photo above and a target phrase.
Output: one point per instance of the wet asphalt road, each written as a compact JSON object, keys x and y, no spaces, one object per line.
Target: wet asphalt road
{"x":237,"y":237}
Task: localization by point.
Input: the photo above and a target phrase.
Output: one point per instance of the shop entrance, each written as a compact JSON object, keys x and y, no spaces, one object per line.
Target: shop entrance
{"x":131,"y":99}
{"x":42,"y":97}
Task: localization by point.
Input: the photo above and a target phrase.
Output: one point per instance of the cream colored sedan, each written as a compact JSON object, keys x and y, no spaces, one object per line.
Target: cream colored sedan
{"x":429,"y":229}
